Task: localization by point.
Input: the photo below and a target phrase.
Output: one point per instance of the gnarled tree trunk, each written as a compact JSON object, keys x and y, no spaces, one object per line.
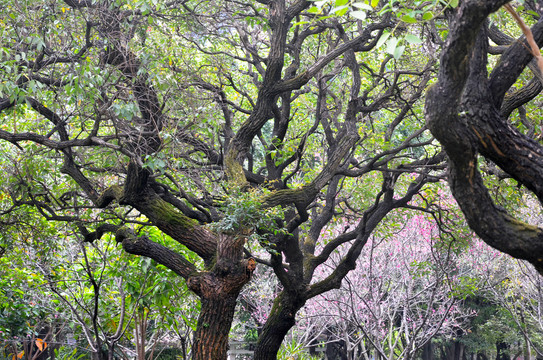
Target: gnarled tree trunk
{"x":211,"y":337}
{"x":219,"y":289}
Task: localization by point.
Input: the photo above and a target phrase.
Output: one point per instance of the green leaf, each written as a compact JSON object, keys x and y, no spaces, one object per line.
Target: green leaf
{"x":361,"y":5}
{"x":342,"y":10}
{"x":427,"y":16}
{"x":413,"y":39}
{"x":409,"y":19}
{"x":374,"y":3}
{"x":453,"y":3}
{"x":398,"y":52}
{"x":391,"y":45}
{"x":360,"y":15}
{"x":382,"y":39}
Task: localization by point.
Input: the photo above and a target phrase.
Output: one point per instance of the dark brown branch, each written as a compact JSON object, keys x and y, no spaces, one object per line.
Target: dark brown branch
{"x":142,"y":245}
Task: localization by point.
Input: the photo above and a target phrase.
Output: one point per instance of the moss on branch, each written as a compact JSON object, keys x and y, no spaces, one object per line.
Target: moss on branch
{"x":233,"y":168}
{"x":114,"y":192}
{"x":290,"y":196}
{"x":159,"y":211}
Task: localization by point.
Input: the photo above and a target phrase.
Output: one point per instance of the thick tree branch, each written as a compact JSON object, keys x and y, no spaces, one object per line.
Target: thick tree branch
{"x":142,"y":245}
{"x":478,"y":127}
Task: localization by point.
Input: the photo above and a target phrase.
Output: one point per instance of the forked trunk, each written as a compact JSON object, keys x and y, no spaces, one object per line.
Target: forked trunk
{"x":218,"y":290}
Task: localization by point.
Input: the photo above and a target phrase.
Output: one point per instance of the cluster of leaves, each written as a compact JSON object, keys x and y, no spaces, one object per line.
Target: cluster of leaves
{"x":243,"y":214}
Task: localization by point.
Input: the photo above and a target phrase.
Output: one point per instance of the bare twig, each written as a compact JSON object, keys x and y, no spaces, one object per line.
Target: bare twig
{"x":528,"y":33}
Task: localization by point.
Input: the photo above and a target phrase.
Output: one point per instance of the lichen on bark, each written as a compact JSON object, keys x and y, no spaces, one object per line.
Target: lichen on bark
{"x":234,"y":169}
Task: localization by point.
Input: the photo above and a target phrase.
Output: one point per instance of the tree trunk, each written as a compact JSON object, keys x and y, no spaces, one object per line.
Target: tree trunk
{"x":502,"y":349}
{"x":218,"y":290}
{"x":455,"y":351}
{"x":428,"y":351}
{"x":211,"y":337}
{"x":281,"y":320}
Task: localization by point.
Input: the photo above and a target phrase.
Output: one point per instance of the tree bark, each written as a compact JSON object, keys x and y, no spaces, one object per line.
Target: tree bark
{"x":211,"y":337}
{"x":463,"y":113}
{"x":428,"y":351}
{"x":218,"y":290}
{"x":281,"y":320}
{"x":455,"y":350}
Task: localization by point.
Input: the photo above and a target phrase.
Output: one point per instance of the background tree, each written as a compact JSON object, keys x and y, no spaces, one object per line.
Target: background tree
{"x":410,"y":295}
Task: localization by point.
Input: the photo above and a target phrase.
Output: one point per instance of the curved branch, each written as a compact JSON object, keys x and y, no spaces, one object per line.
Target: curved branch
{"x":142,"y":245}
{"x":512,"y":64}
{"x":480,"y":128}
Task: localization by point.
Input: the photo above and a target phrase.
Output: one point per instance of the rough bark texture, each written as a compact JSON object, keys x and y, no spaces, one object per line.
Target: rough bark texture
{"x":463,"y":112}
{"x":211,"y":336}
{"x":280,"y":321}
{"x":219,"y":289}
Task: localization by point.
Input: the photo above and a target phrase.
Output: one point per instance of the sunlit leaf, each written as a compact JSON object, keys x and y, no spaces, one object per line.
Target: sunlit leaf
{"x":413,"y":39}
{"x":340,"y":11}
{"x":361,"y":5}
{"x":398,"y":51}
{"x":360,"y":15}
{"x":409,"y":19}
{"x":391,"y":45}
{"x":382,"y":39}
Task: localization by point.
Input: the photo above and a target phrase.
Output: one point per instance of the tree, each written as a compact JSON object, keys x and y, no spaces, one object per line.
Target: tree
{"x":410,"y":292}
{"x":117,"y":303}
{"x":231,"y":127}
{"x":30,"y":324}
{"x":513,"y":289}
{"x":467,"y":110}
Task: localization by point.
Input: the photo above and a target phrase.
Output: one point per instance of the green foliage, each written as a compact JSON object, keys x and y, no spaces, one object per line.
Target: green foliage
{"x":294,"y":350}
{"x":243,"y":214}
{"x":467,"y":286}
{"x":67,"y":353}
{"x":407,"y":13}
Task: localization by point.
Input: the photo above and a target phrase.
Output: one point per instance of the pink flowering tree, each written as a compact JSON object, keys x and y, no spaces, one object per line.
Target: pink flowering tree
{"x":403,"y":299}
